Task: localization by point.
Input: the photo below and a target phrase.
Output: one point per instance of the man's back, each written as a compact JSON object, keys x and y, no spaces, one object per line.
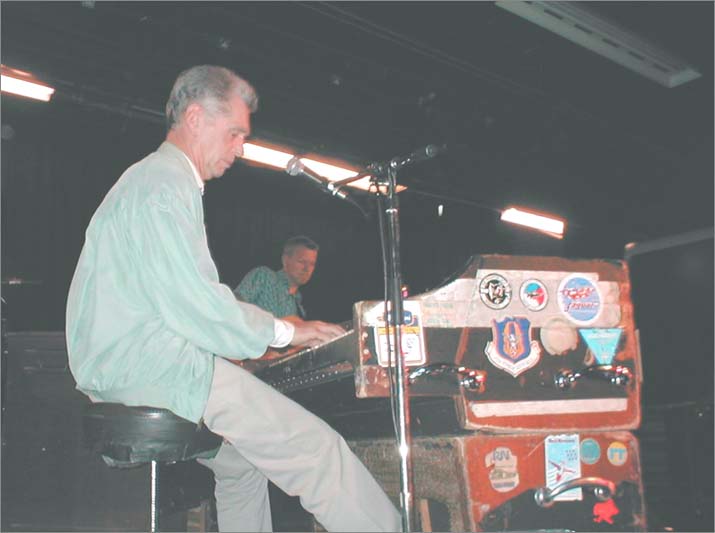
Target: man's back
{"x":134,"y":332}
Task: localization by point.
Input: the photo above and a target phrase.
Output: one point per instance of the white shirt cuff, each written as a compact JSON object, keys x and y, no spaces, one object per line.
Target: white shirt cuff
{"x":282,"y":333}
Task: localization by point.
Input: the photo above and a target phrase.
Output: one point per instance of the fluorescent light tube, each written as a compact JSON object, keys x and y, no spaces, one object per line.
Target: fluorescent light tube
{"x":267,"y":156}
{"x":552,"y":226}
{"x":22,"y":84}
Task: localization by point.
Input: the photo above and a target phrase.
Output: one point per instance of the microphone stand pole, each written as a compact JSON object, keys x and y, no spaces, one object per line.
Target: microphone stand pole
{"x":395,"y":320}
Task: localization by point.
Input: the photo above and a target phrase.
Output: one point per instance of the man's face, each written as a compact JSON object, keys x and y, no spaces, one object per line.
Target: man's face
{"x":299,"y":265}
{"x":220,"y":138}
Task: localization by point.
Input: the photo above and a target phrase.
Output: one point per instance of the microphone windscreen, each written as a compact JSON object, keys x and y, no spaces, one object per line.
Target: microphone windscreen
{"x":294,"y":166}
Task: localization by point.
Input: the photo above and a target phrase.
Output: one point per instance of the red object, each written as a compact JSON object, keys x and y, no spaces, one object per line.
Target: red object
{"x":605,"y":511}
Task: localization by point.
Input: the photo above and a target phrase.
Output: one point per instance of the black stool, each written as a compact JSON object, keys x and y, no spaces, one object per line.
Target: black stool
{"x":131,"y":436}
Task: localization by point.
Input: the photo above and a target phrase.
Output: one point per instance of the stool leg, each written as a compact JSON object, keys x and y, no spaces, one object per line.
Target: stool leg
{"x":154,"y":497}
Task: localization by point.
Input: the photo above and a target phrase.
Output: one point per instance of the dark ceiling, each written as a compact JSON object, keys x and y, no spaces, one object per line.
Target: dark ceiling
{"x":528,"y":117}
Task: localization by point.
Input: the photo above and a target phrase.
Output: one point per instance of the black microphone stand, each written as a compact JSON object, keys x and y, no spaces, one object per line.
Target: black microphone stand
{"x":389,"y":211}
{"x":384,"y":181}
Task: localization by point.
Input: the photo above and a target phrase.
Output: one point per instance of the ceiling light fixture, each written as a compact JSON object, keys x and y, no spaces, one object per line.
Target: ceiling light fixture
{"x":278,"y":158}
{"x":265,"y":155}
{"x":22,"y":83}
{"x":549,"y":225}
{"x":599,"y":35}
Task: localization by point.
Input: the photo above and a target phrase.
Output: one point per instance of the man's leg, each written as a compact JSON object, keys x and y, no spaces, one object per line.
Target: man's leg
{"x":241,"y":492}
{"x":296,"y":450}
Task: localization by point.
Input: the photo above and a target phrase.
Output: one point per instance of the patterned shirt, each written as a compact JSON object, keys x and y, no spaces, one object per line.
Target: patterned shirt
{"x":269,"y":290}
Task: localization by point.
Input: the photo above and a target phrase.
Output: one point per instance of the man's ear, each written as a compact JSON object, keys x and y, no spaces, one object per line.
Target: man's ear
{"x":193,"y":116}
{"x":283,"y":260}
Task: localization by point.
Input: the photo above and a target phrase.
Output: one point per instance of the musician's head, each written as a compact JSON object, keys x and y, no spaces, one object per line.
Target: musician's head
{"x":208,"y":116}
{"x":299,"y":257}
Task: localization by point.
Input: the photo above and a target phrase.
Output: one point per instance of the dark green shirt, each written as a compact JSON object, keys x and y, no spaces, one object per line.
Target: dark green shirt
{"x":269,"y":290}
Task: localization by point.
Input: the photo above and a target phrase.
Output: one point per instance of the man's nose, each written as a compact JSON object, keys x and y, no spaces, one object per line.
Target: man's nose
{"x":238,"y":151}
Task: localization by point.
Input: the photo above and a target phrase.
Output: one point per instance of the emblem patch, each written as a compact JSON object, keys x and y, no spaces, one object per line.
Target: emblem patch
{"x":533,"y":295}
{"x":579,"y":299}
{"x":602,"y":343}
{"x":512,"y":349}
{"x":495,"y":291}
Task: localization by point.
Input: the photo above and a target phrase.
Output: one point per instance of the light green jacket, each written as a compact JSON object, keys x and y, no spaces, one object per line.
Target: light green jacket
{"x":146,"y":312}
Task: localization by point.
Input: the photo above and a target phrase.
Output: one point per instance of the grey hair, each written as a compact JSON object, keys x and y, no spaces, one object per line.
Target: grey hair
{"x":209,"y":85}
{"x":300,"y":241}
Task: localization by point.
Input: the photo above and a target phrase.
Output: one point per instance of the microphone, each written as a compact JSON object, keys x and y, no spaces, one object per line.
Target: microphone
{"x":426,"y":152}
{"x":295,"y":166}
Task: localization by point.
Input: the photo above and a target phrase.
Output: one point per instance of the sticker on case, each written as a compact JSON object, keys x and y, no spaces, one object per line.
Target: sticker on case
{"x":590,"y":451}
{"x":412,"y":338}
{"x":558,"y":336}
{"x":602,"y":343}
{"x":579,"y":299}
{"x":617,"y":453}
{"x":562,"y":458}
{"x":495,"y":291}
{"x":503,"y":473}
{"x":533,"y":295}
{"x":605,"y":511}
{"x":512,"y":348}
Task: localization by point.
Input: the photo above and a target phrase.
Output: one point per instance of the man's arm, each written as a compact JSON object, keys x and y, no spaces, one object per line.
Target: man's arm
{"x":181,"y":280}
{"x":315,"y":332}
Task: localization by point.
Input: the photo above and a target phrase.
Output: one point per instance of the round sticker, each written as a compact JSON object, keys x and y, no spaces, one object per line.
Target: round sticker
{"x":579,"y":299}
{"x":495,"y":291}
{"x":590,"y":451}
{"x":558,"y":336}
{"x":533,"y":295}
{"x":617,"y":453}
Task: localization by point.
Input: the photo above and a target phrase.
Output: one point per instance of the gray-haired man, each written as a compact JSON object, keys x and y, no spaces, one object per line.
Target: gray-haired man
{"x":149,"y":323}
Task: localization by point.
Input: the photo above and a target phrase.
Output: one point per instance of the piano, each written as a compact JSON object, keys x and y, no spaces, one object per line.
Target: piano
{"x":507,"y":344}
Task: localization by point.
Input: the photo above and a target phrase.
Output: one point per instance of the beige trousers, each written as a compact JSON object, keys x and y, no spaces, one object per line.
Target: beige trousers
{"x":272,"y":437}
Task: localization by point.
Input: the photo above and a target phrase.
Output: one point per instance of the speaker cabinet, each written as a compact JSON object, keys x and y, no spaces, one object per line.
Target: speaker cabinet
{"x":50,"y":481}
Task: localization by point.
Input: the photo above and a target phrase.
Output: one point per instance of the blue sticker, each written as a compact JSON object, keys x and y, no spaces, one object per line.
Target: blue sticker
{"x":602,"y":343}
{"x":579,"y":299}
{"x":590,"y":451}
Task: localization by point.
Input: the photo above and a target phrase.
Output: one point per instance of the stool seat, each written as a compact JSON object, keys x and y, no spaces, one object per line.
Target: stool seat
{"x":128,"y":436}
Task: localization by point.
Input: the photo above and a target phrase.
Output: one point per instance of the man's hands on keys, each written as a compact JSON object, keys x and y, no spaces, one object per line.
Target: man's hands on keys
{"x":314,"y":332}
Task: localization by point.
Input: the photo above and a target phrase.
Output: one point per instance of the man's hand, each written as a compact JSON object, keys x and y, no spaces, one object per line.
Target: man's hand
{"x":315,"y":332}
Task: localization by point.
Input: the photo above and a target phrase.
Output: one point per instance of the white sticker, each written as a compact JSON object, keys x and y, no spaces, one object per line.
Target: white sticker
{"x":411,"y":337}
{"x":563,"y":463}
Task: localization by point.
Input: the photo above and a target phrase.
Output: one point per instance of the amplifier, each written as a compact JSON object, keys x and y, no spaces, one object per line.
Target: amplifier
{"x":50,"y":481}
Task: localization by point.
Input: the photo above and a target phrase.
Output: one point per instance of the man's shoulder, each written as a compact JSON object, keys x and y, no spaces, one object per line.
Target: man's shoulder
{"x":163,"y":167}
{"x":260,"y":272}
{"x":158,"y":177}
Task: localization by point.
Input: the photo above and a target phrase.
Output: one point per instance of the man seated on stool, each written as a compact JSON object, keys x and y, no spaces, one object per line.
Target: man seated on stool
{"x":149,"y":323}
{"x":278,"y":292}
